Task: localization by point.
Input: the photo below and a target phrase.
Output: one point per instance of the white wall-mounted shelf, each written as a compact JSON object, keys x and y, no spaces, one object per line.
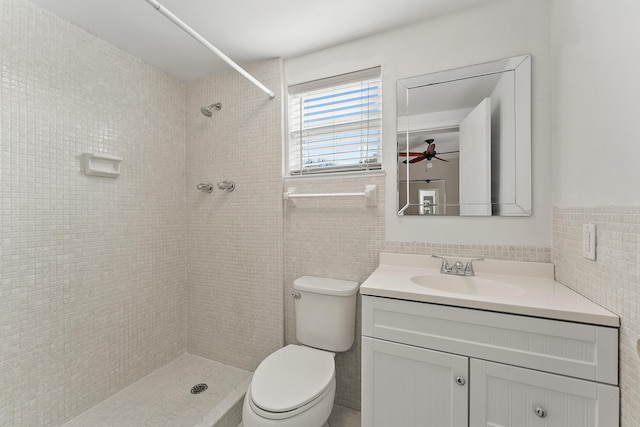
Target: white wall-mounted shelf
{"x":101,"y":165}
{"x":370,"y":195}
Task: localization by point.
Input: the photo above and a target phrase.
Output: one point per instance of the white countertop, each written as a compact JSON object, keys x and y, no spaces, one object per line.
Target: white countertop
{"x":541,"y":295}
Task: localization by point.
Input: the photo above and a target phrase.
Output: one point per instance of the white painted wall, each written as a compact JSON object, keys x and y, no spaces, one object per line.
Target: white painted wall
{"x":498,"y":30}
{"x":596,"y":83}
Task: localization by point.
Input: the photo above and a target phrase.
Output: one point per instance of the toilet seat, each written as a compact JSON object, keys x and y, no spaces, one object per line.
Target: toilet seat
{"x":319,"y":405}
{"x":290,"y":379}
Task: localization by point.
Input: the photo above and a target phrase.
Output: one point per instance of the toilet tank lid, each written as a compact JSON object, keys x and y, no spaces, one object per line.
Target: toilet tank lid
{"x":323,"y":285}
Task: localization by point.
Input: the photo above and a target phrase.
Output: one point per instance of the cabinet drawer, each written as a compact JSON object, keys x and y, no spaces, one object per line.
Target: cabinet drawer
{"x":572,"y":349}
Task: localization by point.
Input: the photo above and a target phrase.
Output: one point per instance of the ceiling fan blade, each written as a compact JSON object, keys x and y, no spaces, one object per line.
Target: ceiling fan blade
{"x":417,"y":159}
{"x":410,"y":153}
{"x":441,"y":159}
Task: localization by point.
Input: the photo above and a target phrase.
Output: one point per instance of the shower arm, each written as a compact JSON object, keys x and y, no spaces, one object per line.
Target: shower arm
{"x":173,"y":18}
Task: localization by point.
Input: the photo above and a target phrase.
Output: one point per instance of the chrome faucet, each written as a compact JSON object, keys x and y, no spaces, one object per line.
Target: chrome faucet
{"x":458,"y":268}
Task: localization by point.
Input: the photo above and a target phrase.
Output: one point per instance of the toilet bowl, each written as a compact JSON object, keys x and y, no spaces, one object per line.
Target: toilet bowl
{"x":295,"y":386}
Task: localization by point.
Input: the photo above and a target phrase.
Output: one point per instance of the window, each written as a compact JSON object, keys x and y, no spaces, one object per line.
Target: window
{"x":335,"y":124}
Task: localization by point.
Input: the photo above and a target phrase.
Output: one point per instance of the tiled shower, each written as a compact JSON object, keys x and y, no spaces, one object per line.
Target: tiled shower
{"x":92,"y":285}
{"x":104,"y":280}
{"x":98,"y":284}
{"x":234,"y":256}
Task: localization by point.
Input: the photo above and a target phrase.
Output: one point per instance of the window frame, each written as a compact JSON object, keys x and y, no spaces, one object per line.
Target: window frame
{"x":373,"y":78}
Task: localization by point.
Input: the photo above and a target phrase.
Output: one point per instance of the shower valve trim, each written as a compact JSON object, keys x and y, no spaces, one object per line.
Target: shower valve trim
{"x":205,"y":188}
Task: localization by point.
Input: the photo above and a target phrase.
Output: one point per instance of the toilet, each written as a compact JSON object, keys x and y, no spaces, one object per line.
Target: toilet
{"x":295,"y":385}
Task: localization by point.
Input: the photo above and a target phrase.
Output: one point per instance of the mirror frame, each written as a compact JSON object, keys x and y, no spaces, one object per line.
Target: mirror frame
{"x":521,"y":66}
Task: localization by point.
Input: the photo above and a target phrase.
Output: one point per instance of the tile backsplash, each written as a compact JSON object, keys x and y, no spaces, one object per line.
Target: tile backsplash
{"x":611,"y":280}
{"x":501,"y":252}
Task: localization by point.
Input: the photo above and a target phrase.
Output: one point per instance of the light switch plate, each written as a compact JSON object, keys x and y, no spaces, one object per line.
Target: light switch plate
{"x":589,"y":241}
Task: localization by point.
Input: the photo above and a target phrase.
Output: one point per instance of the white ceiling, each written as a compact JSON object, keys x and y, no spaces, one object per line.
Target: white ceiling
{"x":245,"y":30}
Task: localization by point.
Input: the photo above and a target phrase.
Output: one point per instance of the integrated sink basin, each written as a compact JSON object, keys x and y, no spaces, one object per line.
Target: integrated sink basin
{"x":467,"y":285}
{"x":514,"y":287}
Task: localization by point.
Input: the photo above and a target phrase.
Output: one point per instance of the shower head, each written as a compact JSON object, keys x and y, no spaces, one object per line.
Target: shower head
{"x":208,"y":110}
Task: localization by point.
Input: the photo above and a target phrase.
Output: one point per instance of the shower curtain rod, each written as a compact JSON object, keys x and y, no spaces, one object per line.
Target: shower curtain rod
{"x":173,"y":18}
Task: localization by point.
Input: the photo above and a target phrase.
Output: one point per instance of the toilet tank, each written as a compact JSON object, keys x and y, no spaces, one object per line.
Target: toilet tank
{"x":325,"y":312}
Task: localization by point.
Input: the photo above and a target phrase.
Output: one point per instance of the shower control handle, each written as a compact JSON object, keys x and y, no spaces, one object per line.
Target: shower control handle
{"x":205,"y":188}
{"x":227,"y":185}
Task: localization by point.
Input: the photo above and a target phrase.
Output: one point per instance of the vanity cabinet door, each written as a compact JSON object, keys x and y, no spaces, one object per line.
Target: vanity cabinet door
{"x":507,"y":396}
{"x":410,"y":386}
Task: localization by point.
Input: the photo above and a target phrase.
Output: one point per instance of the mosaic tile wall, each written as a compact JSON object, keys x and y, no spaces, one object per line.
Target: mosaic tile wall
{"x":502,"y":252}
{"x":611,"y":280}
{"x":92,"y":287}
{"x":342,"y":239}
{"x":335,"y":238}
{"x":235,"y":243}
{"x":91,"y":269}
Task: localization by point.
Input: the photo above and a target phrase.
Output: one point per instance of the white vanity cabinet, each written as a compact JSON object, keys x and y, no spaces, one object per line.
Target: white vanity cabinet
{"x":432,"y":365}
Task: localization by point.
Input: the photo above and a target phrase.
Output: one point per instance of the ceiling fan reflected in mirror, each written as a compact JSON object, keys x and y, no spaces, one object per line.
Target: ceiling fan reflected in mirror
{"x":429,"y":154}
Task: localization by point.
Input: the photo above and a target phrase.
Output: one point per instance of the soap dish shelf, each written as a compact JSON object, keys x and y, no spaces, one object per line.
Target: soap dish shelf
{"x":101,"y":165}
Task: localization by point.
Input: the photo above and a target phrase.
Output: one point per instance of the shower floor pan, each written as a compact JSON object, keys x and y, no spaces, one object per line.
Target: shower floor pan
{"x":164,"y":398}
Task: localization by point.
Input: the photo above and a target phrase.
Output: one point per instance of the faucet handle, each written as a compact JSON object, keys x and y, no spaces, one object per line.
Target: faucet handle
{"x":468,"y":268}
{"x":445,"y":264}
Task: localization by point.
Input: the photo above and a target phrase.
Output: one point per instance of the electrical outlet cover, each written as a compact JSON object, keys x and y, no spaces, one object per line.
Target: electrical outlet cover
{"x":589,"y":241}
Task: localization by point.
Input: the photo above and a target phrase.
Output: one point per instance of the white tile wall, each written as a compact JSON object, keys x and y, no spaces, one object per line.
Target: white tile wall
{"x":336,"y":238}
{"x":611,"y":281}
{"x":235,"y":250}
{"x":91,"y":269}
{"x":503,"y":252}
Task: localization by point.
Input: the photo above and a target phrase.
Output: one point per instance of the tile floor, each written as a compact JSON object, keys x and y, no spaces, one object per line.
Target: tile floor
{"x":341,"y":417}
{"x":344,"y":417}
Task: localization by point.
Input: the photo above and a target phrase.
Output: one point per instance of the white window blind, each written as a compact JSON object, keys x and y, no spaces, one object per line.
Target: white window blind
{"x":335,"y":124}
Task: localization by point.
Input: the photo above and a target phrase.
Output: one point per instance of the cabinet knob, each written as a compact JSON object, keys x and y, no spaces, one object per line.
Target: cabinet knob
{"x":540,"y":412}
{"x":460,"y":381}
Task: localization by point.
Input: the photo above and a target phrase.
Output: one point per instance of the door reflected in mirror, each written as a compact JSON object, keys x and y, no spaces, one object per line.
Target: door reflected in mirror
{"x":464,"y":141}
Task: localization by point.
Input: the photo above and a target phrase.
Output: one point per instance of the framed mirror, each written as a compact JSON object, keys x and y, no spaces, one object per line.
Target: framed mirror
{"x":464,"y":141}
